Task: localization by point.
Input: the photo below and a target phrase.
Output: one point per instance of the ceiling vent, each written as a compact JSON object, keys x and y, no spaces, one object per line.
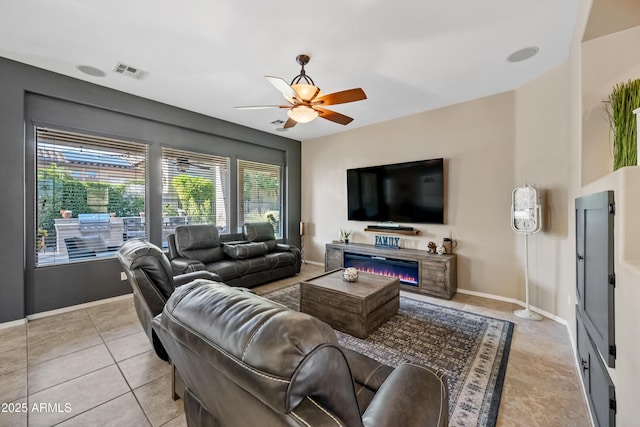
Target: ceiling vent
{"x":129,"y":71}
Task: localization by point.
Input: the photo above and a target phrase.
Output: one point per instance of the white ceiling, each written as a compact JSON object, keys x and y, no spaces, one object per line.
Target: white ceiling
{"x":208,"y":56}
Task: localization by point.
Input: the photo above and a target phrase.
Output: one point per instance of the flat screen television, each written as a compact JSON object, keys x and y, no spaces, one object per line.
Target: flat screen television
{"x":410,"y":192}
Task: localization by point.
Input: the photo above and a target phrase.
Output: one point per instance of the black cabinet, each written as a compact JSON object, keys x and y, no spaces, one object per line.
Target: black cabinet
{"x":600,"y":389}
{"x":595,"y":310}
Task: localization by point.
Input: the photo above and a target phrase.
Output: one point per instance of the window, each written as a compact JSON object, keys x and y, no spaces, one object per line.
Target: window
{"x":195,"y":190}
{"x":259,"y":193}
{"x":87,"y":189}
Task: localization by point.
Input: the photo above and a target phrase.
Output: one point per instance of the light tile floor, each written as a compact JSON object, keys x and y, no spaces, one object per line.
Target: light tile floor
{"x":95,"y":367}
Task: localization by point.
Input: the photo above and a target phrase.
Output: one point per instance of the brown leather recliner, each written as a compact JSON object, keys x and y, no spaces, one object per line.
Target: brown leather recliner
{"x":151,"y":278}
{"x":248,"y":361}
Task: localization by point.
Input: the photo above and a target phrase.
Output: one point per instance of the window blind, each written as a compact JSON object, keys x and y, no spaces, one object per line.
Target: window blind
{"x":90,"y":195}
{"x":195,"y":190}
{"x":259,"y":193}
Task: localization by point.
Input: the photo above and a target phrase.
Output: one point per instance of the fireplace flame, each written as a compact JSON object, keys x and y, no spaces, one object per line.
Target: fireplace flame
{"x":404,"y":278}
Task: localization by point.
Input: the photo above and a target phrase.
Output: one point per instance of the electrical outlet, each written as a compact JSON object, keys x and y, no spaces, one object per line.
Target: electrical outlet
{"x":123,"y":276}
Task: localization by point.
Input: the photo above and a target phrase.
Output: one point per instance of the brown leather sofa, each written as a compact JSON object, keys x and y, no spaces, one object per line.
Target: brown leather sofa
{"x":248,"y":361}
{"x":151,"y":278}
{"x":246,"y":259}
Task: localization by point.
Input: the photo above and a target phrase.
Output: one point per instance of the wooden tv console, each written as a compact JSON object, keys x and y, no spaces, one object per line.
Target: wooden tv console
{"x":437,"y":274}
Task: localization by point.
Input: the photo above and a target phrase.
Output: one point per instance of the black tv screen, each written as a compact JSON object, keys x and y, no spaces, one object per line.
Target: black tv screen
{"x":403,"y":192}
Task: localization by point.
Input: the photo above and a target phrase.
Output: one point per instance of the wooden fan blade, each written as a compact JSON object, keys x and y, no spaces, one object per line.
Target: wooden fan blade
{"x":282,"y":86}
{"x":261,"y":107}
{"x":342,"y":97}
{"x":289,"y":124}
{"x":333,"y":116}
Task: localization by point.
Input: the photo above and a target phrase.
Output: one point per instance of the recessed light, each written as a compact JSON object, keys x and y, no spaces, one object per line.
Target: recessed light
{"x":523,"y":54}
{"x":92,"y":71}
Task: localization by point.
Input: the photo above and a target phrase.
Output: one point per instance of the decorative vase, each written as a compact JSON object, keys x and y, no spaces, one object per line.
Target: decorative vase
{"x":350,"y":274}
{"x":449,"y":244}
{"x":346,"y":240}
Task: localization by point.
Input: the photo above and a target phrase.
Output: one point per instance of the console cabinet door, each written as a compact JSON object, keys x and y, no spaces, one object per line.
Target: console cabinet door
{"x":333,"y":258}
{"x":436,"y":278}
{"x":597,"y":383}
{"x":595,"y":278}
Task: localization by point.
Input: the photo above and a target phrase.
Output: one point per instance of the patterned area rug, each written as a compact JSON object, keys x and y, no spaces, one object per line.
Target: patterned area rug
{"x":471,"y":349}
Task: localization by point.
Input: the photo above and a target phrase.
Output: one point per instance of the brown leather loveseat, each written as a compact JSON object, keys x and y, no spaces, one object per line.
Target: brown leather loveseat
{"x":247,"y":361}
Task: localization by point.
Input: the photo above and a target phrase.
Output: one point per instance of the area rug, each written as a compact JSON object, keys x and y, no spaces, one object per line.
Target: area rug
{"x":471,"y":349}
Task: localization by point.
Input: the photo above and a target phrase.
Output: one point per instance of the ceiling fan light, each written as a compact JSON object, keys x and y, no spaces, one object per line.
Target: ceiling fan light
{"x":306,"y":92}
{"x":302,"y":114}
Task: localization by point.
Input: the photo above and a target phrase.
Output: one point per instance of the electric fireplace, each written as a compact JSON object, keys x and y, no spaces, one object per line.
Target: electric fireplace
{"x":404,"y":270}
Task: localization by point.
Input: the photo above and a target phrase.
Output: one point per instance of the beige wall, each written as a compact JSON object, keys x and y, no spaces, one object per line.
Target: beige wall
{"x":476,"y":139}
{"x":549,"y":133}
{"x":491,"y":146}
{"x":542,"y":158}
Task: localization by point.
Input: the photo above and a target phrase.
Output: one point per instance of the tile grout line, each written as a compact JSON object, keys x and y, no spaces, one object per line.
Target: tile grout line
{"x":120,"y":370}
{"x":89,"y":409}
{"x":103,"y":342}
{"x":47,"y":388}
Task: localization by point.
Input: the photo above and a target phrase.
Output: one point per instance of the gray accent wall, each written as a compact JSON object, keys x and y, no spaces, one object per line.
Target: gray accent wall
{"x":30,"y":96}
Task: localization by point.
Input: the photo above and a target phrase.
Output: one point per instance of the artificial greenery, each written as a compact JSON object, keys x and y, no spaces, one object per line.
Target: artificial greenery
{"x":622,"y":101}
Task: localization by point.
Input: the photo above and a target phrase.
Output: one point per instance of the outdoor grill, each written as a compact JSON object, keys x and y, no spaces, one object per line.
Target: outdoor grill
{"x":91,"y":223}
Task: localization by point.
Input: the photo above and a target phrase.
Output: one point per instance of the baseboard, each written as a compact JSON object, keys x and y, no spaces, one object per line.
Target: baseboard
{"x":77,"y":307}
{"x":494,"y":297}
{"x":515,"y":301}
{"x":13,"y":323}
{"x":63,"y":310}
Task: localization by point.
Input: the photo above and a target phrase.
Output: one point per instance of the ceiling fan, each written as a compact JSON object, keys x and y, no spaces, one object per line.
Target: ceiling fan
{"x":182,"y":164}
{"x":306,"y":101}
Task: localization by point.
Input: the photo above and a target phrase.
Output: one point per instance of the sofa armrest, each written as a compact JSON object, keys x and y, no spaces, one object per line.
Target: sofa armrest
{"x":183,"y":279}
{"x":283,"y":247}
{"x":182,"y":265}
{"x":394,"y":403}
{"x":366,"y":372}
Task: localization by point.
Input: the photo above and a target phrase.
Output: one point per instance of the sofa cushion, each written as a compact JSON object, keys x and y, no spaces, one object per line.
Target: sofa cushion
{"x":260,"y":232}
{"x":200,"y":242}
{"x":229,"y":269}
{"x":245,"y":250}
{"x":280,"y":259}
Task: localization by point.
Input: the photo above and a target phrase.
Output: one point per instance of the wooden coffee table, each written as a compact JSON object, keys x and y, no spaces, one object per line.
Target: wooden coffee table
{"x":356,"y":308}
